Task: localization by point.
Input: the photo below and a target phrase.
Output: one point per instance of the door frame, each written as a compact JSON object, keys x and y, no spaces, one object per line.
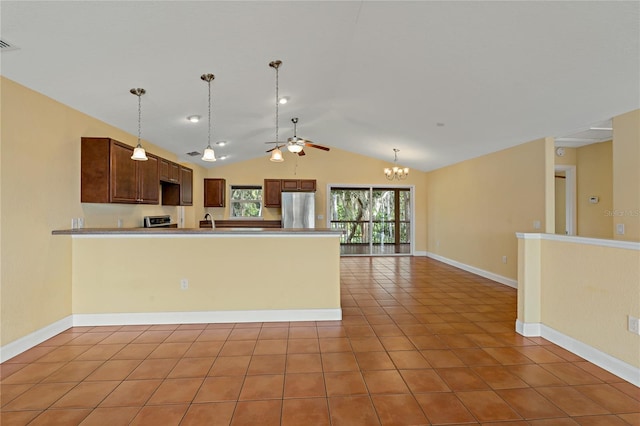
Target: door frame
{"x":370,"y":187}
{"x":570,"y":198}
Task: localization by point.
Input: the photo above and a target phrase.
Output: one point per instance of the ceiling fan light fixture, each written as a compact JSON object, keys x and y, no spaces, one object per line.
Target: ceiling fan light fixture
{"x":139,"y":153}
{"x":293,"y":146}
{"x":193,"y":118}
{"x":276,"y":156}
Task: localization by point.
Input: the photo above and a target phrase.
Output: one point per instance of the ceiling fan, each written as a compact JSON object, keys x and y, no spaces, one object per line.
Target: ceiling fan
{"x":295,"y":144}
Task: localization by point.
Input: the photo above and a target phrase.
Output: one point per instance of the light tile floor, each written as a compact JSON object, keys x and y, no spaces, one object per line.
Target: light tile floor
{"x":420,"y":343}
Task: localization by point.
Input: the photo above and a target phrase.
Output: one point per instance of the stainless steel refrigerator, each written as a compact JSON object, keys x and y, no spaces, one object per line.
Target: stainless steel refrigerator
{"x":298,"y":209}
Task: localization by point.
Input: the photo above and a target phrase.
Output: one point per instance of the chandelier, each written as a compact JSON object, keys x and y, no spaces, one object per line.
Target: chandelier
{"x":395,"y":172}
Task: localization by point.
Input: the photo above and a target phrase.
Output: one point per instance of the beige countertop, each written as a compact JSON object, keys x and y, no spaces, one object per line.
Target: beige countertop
{"x":199,"y":231}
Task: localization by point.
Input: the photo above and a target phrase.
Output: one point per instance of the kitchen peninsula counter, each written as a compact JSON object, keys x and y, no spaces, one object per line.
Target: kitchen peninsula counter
{"x":199,"y":231}
{"x":126,"y":276}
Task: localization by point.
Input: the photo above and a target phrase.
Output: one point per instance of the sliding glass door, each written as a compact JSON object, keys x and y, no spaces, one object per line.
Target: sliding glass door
{"x":375,"y":220}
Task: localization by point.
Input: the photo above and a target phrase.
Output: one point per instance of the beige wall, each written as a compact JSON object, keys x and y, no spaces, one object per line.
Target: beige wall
{"x":476,"y":207}
{"x":626,"y":174}
{"x":582,"y":290}
{"x":224,"y":273}
{"x":328,"y":168}
{"x":595,"y":178}
{"x":40,"y":186}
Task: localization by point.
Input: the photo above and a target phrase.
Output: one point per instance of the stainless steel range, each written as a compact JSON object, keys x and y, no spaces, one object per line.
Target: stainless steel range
{"x":158,"y":222}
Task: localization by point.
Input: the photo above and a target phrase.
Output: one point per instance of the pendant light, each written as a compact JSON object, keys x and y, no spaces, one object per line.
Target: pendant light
{"x":139,"y":153}
{"x":276,"y":154}
{"x":208,"y":154}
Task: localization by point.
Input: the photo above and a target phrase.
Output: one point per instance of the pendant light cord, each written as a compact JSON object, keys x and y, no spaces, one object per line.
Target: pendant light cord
{"x":139,"y":117}
{"x":209,"y":117}
{"x":277,"y":102}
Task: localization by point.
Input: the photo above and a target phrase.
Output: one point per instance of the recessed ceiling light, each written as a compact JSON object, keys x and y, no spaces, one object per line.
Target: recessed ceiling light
{"x":440,"y":124}
{"x":283,"y":100}
{"x":193,"y":118}
{"x":224,"y":157}
{"x":221,"y":143}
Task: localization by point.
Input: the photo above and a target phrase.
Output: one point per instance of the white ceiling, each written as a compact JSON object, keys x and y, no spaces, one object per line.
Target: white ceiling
{"x":364,"y":76}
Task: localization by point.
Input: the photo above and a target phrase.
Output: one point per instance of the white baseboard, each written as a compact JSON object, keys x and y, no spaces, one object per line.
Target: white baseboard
{"x":613,"y":365}
{"x":27,"y":342}
{"x":528,"y":329}
{"x":486,"y":274}
{"x":16,"y":347}
{"x":208,"y":317}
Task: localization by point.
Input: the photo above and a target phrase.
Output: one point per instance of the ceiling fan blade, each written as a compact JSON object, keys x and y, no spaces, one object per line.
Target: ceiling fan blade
{"x":313,"y":145}
{"x":272,"y":149}
{"x":301,"y":153}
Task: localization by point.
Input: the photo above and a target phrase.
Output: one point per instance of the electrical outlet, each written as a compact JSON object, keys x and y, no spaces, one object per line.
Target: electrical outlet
{"x":504,"y":259}
{"x":536,"y":224}
{"x":633,"y":324}
{"x":620,"y":228}
{"x":184,"y":284}
{"x":438,"y":244}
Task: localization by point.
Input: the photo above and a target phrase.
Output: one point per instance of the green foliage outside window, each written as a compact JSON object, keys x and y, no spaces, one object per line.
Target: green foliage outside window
{"x":246,"y":201}
{"x":357,"y":210}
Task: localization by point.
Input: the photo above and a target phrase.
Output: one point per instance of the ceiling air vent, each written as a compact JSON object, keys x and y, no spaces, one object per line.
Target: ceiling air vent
{"x":193,"y":153}
{"x":5,"y":46}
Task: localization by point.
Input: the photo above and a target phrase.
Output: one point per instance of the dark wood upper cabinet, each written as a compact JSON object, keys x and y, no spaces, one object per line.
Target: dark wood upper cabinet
{"x":169,"y":171}
{"x":271,"y":192}
{"x":214,"y":192}
{"x":148,"y":181}
{"x":186,"y":186}
{"x":298,"y":185}
{"x":174,"y":194}
{"x":307,"y":185}
{"x":109,"y":175}
{"x":273,"y":189}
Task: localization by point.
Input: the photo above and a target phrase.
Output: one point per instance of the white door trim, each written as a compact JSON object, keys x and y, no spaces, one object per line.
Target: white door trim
{"x":570,"y":201}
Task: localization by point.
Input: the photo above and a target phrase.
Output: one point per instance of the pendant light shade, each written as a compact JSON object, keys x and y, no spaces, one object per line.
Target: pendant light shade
{"x":208,"y":154}
{"x":276,"y":156}
{"x":139,"y":153}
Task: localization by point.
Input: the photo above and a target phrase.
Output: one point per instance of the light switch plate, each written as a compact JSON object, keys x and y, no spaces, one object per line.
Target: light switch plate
{"x":633,"y":324}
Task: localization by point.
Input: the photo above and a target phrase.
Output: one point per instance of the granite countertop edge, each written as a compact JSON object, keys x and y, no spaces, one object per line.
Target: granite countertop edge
{"x":197,"y":231}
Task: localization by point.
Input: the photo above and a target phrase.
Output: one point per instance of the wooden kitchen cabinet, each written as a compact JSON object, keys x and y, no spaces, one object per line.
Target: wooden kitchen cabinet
{"x":169,"y":171}
{"x":109,"y":175}
{"x":271,"y":191}
{"x":298,"y":185}
{"x":186,"y":186}
{"x":174,"y":194}
{"x":214,"y":192}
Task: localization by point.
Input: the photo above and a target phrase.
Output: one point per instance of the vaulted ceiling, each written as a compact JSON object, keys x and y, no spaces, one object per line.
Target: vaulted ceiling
{"x":441,"y":81}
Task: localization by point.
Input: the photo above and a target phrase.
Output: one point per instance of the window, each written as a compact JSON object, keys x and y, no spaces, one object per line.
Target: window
{"x":246,"y":201}
{"x":375,"y":220}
